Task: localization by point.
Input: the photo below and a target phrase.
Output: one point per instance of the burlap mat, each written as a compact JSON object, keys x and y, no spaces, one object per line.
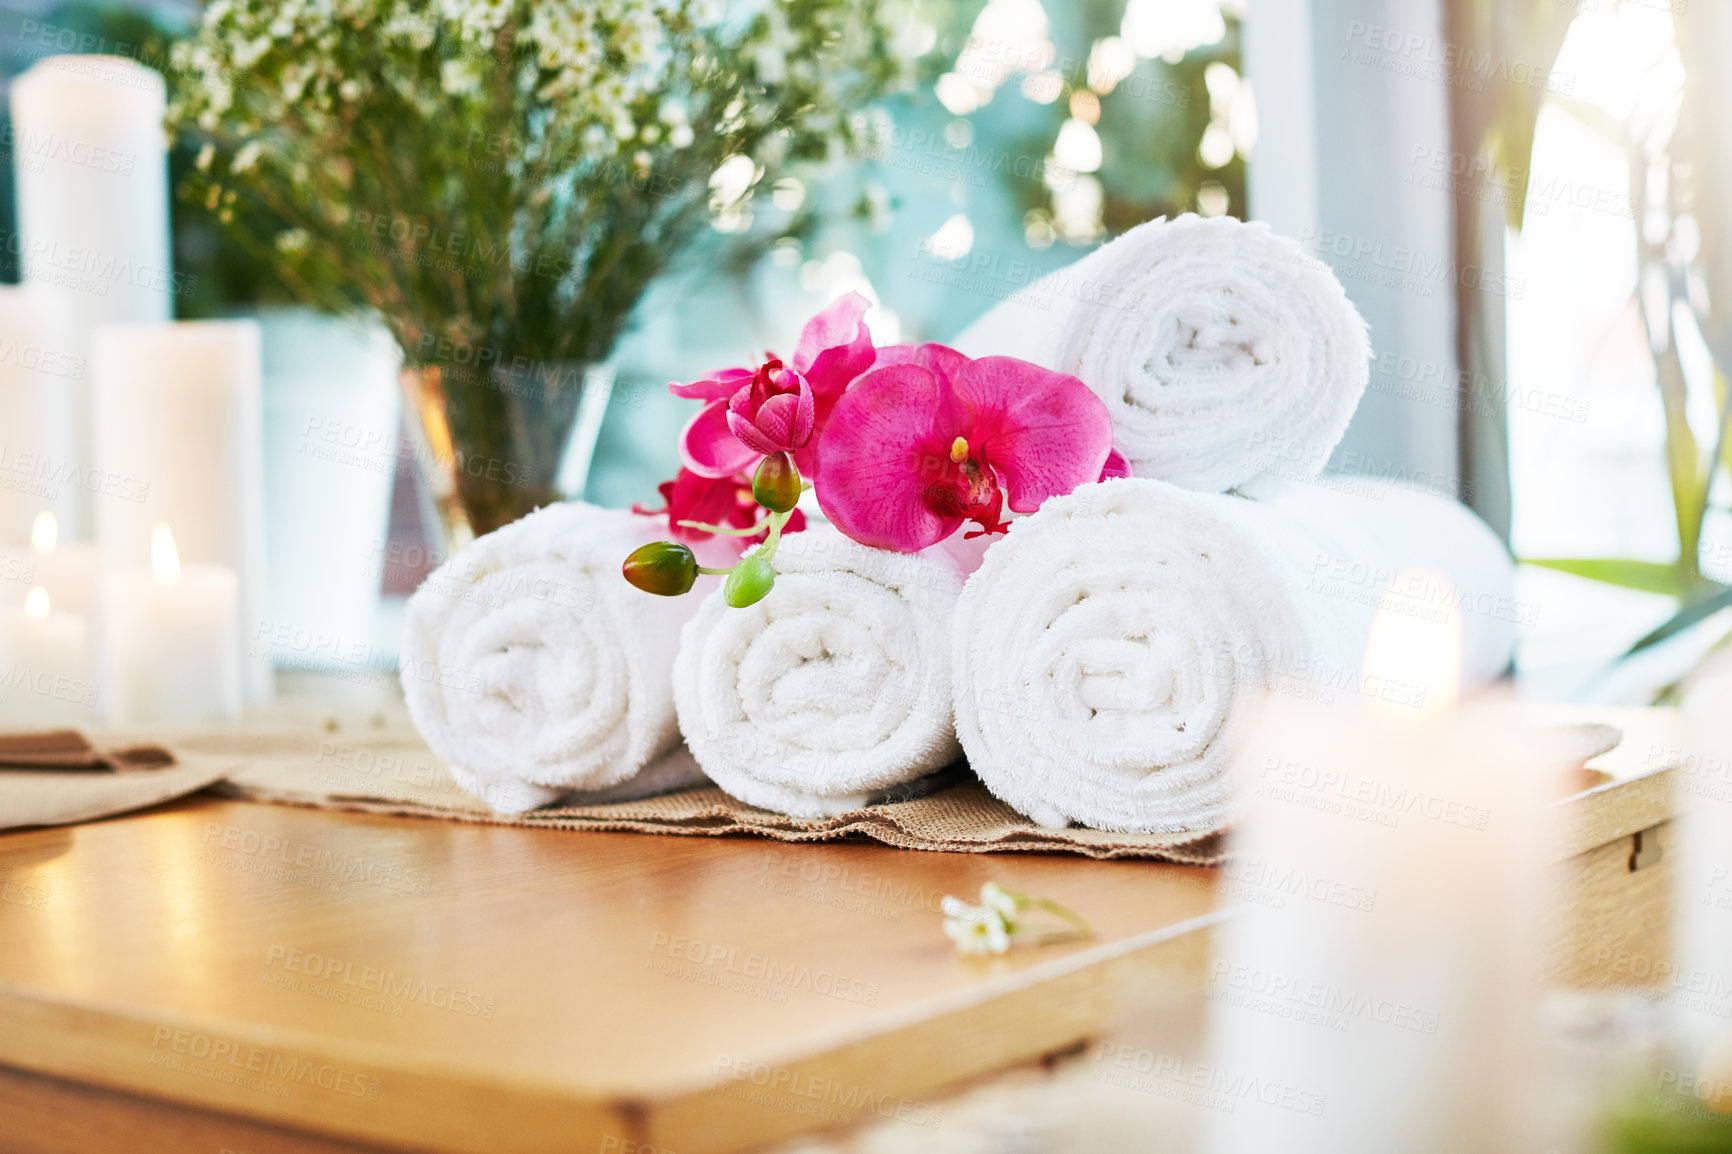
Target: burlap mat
{"x":397,"y":774}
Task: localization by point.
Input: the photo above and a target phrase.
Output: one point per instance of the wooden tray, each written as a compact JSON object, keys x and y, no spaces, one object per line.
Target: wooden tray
{"x":1610,"y":923}
{"x":224,"y":974}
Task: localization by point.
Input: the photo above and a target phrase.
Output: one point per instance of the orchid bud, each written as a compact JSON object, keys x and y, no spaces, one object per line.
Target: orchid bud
{"x":776,"y":484}
{"x":749,"y":582}
{"x":666,"y":568}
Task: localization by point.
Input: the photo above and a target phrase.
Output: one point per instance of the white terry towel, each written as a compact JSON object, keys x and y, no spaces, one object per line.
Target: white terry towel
{"x":1110,"y":651}
{"x":832,"y":689}
{"x":534,"y":669}
{"x":1220,"y":348}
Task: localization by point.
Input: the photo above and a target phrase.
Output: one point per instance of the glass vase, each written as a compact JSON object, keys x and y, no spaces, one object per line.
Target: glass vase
{"x":492,"y":444}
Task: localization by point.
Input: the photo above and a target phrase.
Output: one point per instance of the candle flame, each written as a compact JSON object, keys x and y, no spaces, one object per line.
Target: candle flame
{"x":36,"y":604}
{"x":44,"y":532}
{"x":1413,"y":656}
{"x":164,"y":557}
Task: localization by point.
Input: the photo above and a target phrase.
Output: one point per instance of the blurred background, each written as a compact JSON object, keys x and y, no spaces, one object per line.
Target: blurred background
{"x":1526,"y":199}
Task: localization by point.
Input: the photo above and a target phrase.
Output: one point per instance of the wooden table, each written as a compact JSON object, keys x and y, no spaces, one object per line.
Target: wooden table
{"x":220,"y":975}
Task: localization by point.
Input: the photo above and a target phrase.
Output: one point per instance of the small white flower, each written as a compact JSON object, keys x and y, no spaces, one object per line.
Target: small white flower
{"x":247,"y":156}
{"x":974,"y":929}
{"x":772,"y":65}
{"x":993,"y":897}
{"x":990,"y":927}
{"x":456,"y":77}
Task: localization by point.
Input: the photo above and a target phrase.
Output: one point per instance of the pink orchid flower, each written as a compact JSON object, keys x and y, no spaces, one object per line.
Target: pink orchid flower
{"x":775,"y":413}
{"x":929,"y":440}
{"x":1116,"y":466}
{"x":784,"y":407}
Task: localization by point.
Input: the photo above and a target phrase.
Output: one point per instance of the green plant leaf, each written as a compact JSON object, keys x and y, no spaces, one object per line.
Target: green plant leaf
{"x":1683,"y":454}
{"x":1691,"y":614}
{"x":1644,"y":576}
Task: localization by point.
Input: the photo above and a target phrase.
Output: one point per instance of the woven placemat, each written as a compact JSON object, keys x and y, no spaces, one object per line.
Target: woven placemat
{"x":399,"y":775}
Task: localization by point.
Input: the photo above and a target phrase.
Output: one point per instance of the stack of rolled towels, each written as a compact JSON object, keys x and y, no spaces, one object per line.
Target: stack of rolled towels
{"x":1100,"y":664}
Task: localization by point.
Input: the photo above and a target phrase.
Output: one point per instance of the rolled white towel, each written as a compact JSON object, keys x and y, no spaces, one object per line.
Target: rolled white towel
{"x":1220,"y":348}
{"x":534,"y":669}
{"x":832,"y":689}
{"x":1110,"y":651}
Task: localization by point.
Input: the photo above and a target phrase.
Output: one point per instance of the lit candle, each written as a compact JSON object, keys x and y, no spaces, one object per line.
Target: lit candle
{"x":1388,"y":974}
{"x":178,"y":429}
{"x":44,"y":666}
{"x":171,"y":640}
{"x":68,"y":571}
{"x":90,"y":159}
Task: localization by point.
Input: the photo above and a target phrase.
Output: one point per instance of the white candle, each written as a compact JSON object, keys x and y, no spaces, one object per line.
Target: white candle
{"x":17,"y":576}
{"x":39,"y":379}
{"x":91,"y":163}
{"x":171,"y":641}
{"x":44,"y":666}
{"x":178,"y":413}
{"x":1384,"y":967}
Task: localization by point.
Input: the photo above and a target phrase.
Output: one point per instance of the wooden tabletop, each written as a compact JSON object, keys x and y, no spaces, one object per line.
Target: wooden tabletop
{"x":431,"y":985}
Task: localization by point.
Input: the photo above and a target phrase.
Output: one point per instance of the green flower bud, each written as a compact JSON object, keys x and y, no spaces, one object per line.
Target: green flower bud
{"x":749,"y":583}
{"x":664,"y":567}
{"x":776,"y":484}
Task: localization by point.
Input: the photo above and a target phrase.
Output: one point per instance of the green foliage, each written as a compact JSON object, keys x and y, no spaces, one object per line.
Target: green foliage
{"x":1693,"y":612}
{"x":1690,"y":154}
{"x":1643,"y":576}
{"x":1668,"y":1123}
{"x":506,"y":175}
{"x":1149,"y":121}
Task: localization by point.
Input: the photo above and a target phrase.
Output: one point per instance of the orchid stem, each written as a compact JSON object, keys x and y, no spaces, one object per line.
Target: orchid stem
{"x":715,"y":572}
{"x":777,"y":520}
{"x":727,"y":530}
